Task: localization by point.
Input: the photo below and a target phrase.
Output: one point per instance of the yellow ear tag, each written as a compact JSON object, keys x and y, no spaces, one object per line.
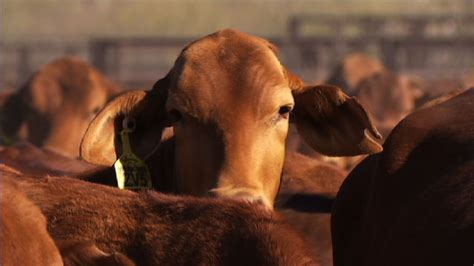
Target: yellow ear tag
{"x":131,"y":171}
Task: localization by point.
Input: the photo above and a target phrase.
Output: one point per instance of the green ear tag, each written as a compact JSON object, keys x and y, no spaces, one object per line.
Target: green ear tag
{"x":131,"y":171}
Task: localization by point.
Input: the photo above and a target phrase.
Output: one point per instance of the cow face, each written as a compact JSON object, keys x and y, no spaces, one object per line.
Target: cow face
{"x":229,"y":104}
{"x":228,"y":99}
{"x":54,"y":108}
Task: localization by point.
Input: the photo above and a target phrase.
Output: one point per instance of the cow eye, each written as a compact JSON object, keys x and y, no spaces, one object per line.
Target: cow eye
{"x":285,"y":111}
{"x":174,"y":116}
{"x":129,"y":124}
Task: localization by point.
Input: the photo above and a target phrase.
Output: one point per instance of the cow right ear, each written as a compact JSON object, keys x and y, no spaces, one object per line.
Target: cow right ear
{"x":146,"y":110}
{"x":333,"y":123}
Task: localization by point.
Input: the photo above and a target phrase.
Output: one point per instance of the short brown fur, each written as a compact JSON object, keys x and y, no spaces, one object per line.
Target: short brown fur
{"x":152,"y":228}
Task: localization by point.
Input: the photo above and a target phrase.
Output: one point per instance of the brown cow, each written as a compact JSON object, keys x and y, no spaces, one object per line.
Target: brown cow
{"x":55,"y":106}
{"x":413,"y":203}
{"x":157,"y":229}
{"x":353,"y":69}
{"x":24,"y":239}
{"x":32,"y":160}
{"x":388,"y":97}
{"x":228,"y":99}
{"x":436,"y":88}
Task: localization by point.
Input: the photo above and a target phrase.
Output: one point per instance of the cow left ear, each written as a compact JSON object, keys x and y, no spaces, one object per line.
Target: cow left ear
{"x":333,"y":123}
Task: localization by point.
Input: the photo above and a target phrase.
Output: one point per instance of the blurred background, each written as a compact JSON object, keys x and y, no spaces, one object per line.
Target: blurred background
{"x":135,"y":42}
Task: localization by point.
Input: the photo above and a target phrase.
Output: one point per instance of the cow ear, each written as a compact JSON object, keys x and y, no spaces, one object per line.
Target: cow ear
{"x":101,"y":143}
{"x":333,"y":123}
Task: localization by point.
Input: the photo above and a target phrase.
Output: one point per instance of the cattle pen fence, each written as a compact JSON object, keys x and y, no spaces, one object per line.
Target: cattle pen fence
{"x":429,"y":46}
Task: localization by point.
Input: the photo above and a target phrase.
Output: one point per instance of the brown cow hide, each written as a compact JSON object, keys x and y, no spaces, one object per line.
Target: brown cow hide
{"x":413,"y":203}
{"x":157,"y":229}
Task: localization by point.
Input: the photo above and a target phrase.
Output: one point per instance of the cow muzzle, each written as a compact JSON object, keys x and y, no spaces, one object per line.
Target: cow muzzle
{"x":243,"y":194}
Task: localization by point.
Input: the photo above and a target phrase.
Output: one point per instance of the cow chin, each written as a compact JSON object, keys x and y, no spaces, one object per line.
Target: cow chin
{"x":243,"y":194}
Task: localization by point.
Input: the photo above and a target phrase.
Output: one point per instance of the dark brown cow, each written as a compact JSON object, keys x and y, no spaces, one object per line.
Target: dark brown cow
{"x":306,"y":195}
{"x":24,"y":239}
{"x":55,"y":106}
{"x":157,"y":229}
{"x":228,"y":99}
{"x":413,"y":203}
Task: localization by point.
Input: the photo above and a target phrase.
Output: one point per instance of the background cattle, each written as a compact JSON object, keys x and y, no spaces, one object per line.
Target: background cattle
{"x":388,"y":97}
{"x":437,"y":88}
{"x":55,"y":106}
{"x":412,"y":204}
{"x":353,"y":69}
{"x":217,"y":149}
{"x":29,"y":159}
{"x":157,"y":229}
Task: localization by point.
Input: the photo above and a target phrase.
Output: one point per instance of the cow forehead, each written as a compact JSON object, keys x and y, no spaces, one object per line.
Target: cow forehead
{"x":227,"y":71}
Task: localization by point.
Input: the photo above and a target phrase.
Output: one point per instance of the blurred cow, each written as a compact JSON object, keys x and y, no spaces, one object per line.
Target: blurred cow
{"x":55,"y":106}
{"x":353,"y":69}
{"x":29,"y":159}
{"x":228,"y":99}
{"x":388,"y":97}
{"x":157,"y":229}
{"x":436,"y":88}
{"x":413,"y":203}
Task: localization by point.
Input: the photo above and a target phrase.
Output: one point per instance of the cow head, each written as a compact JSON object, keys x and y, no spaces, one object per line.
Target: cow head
{"x":353,"y":69}
{"x":54,"y":108}
{"x":229,"y":100}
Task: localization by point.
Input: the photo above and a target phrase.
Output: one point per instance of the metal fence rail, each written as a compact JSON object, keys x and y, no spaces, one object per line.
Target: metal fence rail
{"x":431,"y":46}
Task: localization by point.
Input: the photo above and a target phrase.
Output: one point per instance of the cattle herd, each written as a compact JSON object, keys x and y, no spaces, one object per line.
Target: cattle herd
{"x":249,"y":165}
